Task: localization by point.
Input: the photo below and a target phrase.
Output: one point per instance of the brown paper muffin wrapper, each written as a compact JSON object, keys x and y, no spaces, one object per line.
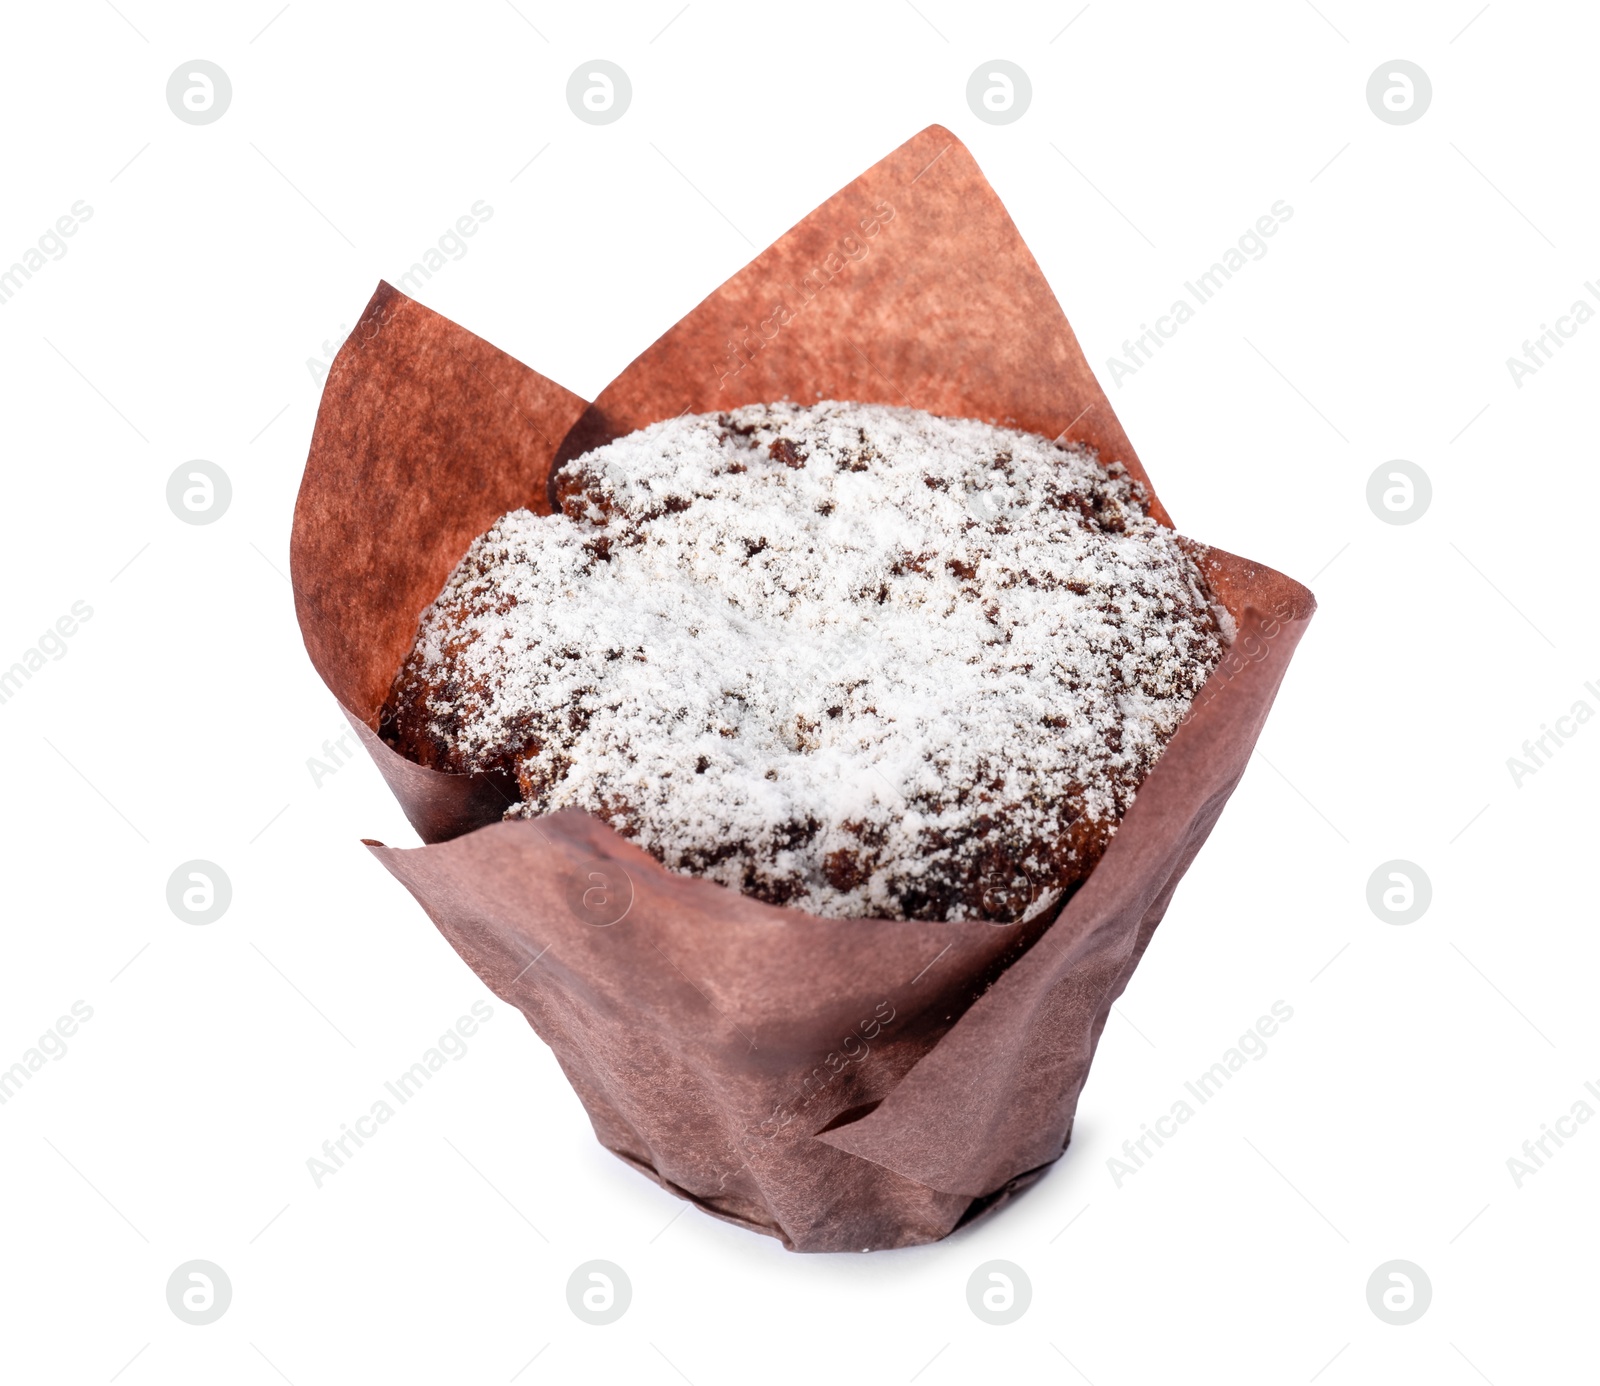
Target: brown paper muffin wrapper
{"x":842,"y":1084}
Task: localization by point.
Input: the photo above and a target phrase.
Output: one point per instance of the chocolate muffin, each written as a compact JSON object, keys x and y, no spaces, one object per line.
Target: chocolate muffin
{"x":854,"y":659}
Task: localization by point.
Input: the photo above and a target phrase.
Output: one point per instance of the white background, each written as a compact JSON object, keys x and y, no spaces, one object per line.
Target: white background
{"x":179,"y":722}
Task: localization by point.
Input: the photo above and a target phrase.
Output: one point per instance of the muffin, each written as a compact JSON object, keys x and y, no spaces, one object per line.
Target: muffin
{"x":855,"y":659}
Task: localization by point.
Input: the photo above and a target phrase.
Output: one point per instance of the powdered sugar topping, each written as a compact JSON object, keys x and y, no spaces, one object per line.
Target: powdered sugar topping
{"x":852,"y":658}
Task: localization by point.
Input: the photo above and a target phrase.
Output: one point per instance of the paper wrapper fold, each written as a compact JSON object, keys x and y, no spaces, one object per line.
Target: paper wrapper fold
{"x":843,"y":1085}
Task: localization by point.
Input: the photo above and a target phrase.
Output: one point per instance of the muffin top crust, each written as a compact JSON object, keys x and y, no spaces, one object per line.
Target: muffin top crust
{"x":855,"y":659}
